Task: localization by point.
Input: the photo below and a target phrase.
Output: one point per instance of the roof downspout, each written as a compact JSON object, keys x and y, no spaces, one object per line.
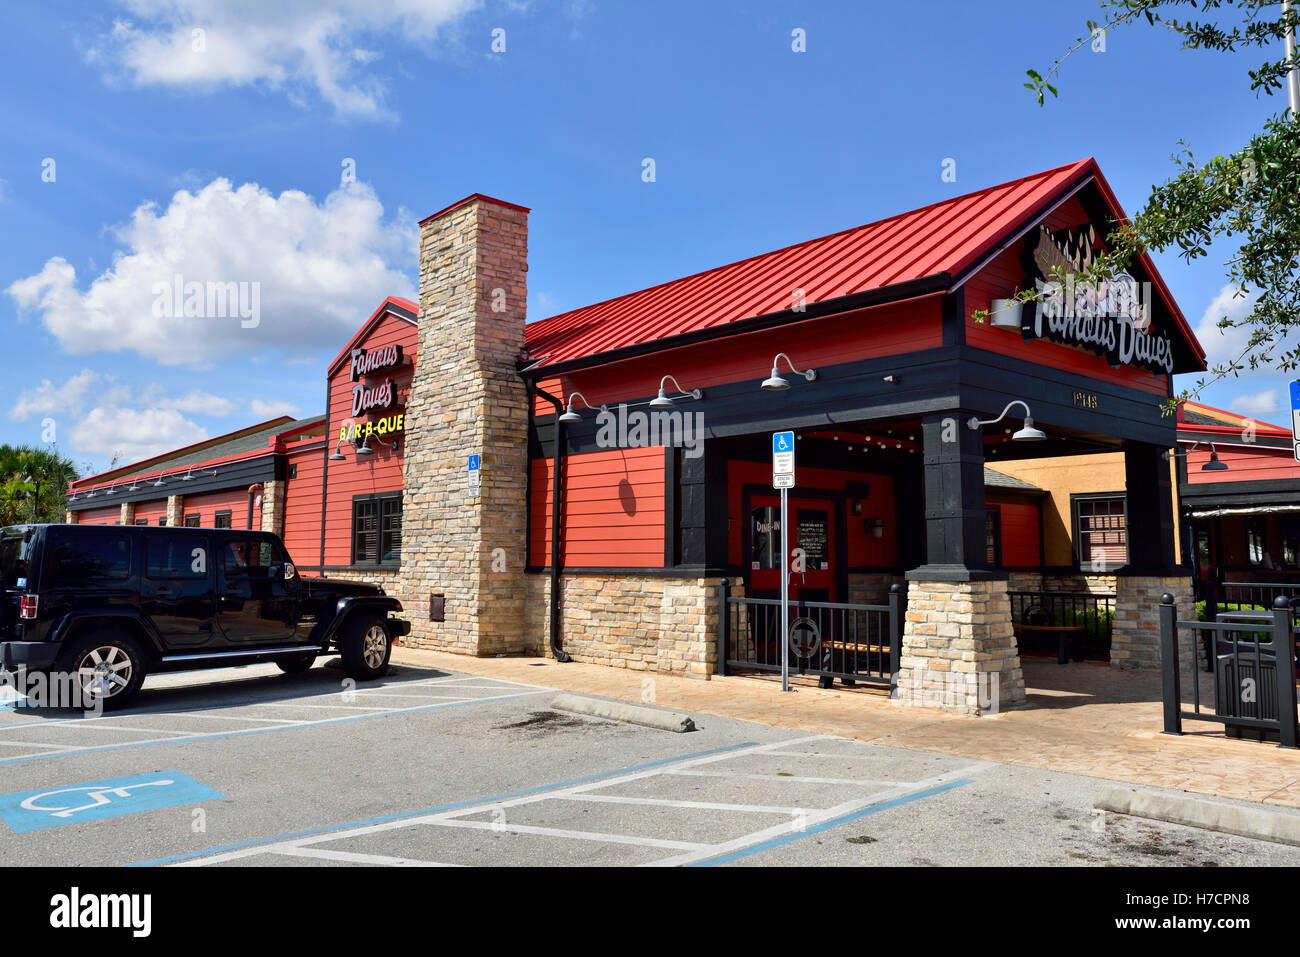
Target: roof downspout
{"x":557,"y":470}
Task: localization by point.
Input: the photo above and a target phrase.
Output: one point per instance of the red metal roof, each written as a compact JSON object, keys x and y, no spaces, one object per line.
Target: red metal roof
{"x":949,"y":237}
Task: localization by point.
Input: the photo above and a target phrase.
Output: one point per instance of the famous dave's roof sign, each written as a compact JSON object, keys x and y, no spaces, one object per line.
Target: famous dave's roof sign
{"x":1110,"y":317}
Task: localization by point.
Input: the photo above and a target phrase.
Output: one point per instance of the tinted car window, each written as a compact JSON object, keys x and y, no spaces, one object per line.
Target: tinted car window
{"x":15,"y":556}
{"x":247,"y":558}
{"x":82,"y":557}
{"x":178,"y":558}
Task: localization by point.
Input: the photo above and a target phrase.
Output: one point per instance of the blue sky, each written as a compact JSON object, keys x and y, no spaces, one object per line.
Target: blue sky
{"x":223,"y":153}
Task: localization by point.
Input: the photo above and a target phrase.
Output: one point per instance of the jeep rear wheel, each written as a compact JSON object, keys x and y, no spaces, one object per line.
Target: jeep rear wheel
{"x":365,"y":647}
{"x":107,"y":669}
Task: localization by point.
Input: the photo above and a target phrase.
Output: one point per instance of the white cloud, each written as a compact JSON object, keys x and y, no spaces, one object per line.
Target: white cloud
{"x":270,"y":410}
{"x":1257,"y":404}
{"x":134,"y":434}
{"x":1223,"y":345}
{"x":304,"y":274}
{"x":108,"y":418}
{"x":289,"y":45}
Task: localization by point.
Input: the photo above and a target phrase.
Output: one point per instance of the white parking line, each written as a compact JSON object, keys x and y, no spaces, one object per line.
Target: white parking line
{"x":575,"y":835}
{"x":699,"y":805}
{"x":37,"y":744}
{"x":381,"y":860}
{"x":779,"y":777}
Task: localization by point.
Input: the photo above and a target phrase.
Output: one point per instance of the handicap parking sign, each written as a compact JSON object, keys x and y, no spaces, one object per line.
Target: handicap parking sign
{"x":60,"y":804}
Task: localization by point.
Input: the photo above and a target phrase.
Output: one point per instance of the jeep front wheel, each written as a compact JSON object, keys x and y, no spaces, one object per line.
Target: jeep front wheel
{"x":108,"y":669}
{"x":365,"y":647}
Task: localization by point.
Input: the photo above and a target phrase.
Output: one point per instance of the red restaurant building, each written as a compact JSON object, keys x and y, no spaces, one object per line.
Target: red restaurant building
{"x":455,"y":437}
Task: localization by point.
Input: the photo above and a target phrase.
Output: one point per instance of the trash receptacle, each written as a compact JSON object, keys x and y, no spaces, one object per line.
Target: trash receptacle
{"x":1245,"y":685}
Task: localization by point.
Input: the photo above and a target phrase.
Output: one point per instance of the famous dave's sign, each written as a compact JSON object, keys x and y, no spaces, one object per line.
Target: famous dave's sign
{"x":381,"y":395}
{"x":1111,"y":318}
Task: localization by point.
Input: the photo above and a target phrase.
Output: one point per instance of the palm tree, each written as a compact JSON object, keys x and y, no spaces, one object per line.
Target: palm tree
{"x":27,"y":472}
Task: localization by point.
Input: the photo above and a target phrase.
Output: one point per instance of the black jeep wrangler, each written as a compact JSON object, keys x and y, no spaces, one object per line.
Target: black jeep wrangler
{"x":110,"y":604}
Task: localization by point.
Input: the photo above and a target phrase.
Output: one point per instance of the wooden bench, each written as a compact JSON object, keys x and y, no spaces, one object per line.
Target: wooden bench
{"x":1065,"y":636}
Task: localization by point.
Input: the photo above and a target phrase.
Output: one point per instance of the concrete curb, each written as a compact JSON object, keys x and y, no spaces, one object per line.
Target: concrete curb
{"x":1253,"y":822}
{"x":618,"y":711}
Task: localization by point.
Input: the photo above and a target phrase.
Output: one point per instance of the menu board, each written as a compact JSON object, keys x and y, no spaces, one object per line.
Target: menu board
{"x":811,"y":531}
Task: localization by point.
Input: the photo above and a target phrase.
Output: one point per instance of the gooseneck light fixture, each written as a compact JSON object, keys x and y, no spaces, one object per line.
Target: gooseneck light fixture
{"x":1213,"y":465}
{"x":663,"y":401}
{"x":774,"y":382}
{"x":1026,"y":434}
{"x":572,"y":416}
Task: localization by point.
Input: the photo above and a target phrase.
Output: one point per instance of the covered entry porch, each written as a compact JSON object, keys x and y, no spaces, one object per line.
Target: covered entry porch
{"x":921,"y":560}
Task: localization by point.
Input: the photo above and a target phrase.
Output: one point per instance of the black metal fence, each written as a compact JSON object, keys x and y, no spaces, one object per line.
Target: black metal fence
{"x":1253,"y":666}
{"x":851,"y":642}
{"x":1092,"y":612}
{"x":1231,"y":596}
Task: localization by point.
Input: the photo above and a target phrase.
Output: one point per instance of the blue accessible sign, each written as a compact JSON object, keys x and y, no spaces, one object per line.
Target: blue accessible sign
{"x":73,"y":803}
{"x":783,"y":460}
{"x":1295,"y":418}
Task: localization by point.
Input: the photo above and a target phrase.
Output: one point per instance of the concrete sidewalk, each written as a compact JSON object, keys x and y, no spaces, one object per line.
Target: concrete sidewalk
{"x":1082,"y":718}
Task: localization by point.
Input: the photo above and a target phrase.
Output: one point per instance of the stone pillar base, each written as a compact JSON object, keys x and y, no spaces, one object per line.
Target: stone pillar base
{"x":959,"y":653}
{"x":1135,"y":633}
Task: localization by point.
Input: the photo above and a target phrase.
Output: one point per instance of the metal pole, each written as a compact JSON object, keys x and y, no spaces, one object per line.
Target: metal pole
{"x":1293,"y":76}
{"x":1284,"y":651}
{"x":785,"y":595}
{"x":1171,"y":688}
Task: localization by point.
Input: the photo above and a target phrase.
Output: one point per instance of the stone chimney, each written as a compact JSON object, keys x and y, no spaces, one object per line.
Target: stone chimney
{"x":464,"y":534}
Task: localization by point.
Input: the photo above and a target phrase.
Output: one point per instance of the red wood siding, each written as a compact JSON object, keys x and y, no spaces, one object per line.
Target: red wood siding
{"x":233,"y":500}
{"x":863,"y":334}
{"x":1244,"y":465}
{"x":862,"y":551}
{"x":612,"y":513}
{"x":100,"y":516}
{"x":365,"y":474}
{"x":1003,"y":276}
{"x":302,"y":505}
{"x":151,"y":511}
{"x":1019,"y":535}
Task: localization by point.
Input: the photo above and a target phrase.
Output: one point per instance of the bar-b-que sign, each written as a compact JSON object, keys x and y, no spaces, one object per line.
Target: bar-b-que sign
{"x":1111,"y":318}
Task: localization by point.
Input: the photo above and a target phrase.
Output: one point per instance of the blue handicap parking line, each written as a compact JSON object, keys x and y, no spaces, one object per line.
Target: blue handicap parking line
{"x":113,"y":797}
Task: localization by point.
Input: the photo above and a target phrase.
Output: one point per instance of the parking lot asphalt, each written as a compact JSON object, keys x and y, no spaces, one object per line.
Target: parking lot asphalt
{"x":427,"y":767}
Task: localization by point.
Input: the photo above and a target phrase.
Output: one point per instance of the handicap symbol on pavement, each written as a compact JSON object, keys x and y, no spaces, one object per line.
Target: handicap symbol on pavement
{"x":70,"y":804}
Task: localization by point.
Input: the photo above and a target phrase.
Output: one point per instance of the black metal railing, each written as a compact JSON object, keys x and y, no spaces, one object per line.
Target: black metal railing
{"x":1093,"y":612}
{"x":852,"y":642}
{"x":1232,"y":596}
{"x":1254,"y":671}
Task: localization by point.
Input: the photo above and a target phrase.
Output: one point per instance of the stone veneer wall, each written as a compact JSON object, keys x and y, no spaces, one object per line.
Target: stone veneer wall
{"x":175,"y":510}
{"x":959,"y":653}
{"x":639,"y":622}
{"x":468,"y":399}
{"x":127,"y":513}
{"x":273,"y":507}
{"x":1135,"y":639}
{"x":871,"y":588}
{"x":1058,"y":582}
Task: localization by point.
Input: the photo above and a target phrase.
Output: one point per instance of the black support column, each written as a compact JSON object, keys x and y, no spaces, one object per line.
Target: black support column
{"x":701,"y":506}
{"x":954,"y":500}
{"x":1150,"y":510}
